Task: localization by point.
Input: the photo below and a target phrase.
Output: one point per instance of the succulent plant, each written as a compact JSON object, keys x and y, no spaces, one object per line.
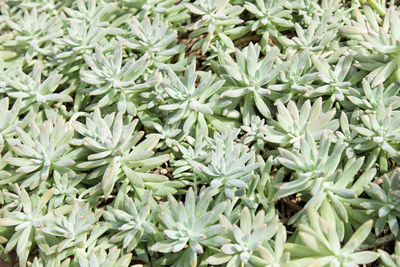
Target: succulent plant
{"x":250,"y":242}
{"x":71,"y":230}
{"x":297,"y":79}
{"x":254,"y":133}
{"x":82,"y":37}
{"x":131,"y":221}
{"x":246,"y":78}
{"x":188,"y":102}
{"x":189,"y":227}
{"x":218,"y":20}
{"x":34,"y":92}
{"x":27,"y":218}
{"x":379,"y":135}
{"x":322,"y":245}
{"x":9,"y":119}
{"x":291,"y":124}
{"x":108,"y":76}
{"x":33,"y":33}
{"x":197,"y":150}
{"x":89,"y":11}
{"x":66,"y":188}
{"x":334,"y":81}
{"x":377,"y":39}
{"x":101,"y":257}
{"x":367,"y":98}
{"x":383,"y":200}
{"x":390,"y":260}
{"x":346,"y":134}
{"x":317,"y":174}
{"x":230,"y":166}
{"x":271,"y":17}
{"x":155,"y":39}
{"x":116,"y":152}
{"x":193,"y":133}
{"x":46,"y":147}
{"x":315,"y":38}
{"x":165,"y":8}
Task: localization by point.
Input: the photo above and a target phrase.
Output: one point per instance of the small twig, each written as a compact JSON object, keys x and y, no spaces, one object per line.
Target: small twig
{"x":291,"y":204}
{"x":190,"y":42}
{"x":379,"y":180}
{"x":380,"y":241}
{"x":246,"y":39}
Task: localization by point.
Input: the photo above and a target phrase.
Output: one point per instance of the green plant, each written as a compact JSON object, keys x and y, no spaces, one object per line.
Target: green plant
{"x":34,"y":92}
{"x":108,"y":76}
{"x":195,"y":133}
{"x":219,"y":19}
{"x":383,"y":200}
{"x":189,"y":102}
{"x":380,"y":135}
{"x":131,"y":222}
{"x":246,"y":78}
{"x":291,"y":124}
{"x":115,"y":152}
{"x":155,"y":39}
{"x":26,"y":219}
{"x":42,"y":150}
{"x":229,"y":168}
{"x":390,"y":260}
{"x":189,"y":227}
{"x":271,"y":17}
{"x":322,"y":245}
{"x":250,"y":242}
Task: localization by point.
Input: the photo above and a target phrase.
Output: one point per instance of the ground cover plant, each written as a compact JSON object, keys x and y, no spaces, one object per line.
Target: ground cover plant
{"x":182,"y":133}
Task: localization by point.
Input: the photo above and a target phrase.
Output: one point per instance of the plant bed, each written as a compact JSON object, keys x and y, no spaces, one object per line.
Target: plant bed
{"x":199,"y":133}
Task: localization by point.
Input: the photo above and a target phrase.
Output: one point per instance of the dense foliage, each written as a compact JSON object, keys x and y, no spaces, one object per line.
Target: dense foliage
{"x":200,"y":133}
